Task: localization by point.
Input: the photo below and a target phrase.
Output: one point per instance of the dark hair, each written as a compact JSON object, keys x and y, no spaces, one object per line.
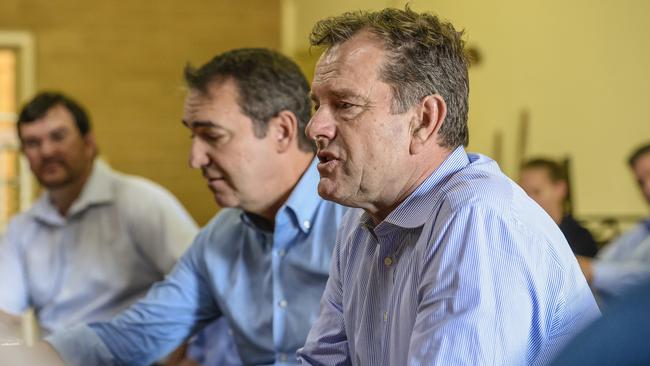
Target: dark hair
{"x":44,"y":101}
{"x":637,"y":154}
{"x":556,"y":172}
{"x":425,"y":56}
{"x":268,"y":83}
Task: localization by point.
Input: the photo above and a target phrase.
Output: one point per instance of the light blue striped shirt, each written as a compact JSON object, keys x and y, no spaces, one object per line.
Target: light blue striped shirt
{"x":266,"y":284}
{"x":468,"y":270}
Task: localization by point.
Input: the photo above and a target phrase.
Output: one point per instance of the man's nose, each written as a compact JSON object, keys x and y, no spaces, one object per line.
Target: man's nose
{"x":48,"y":147}
{"x":321,"y":125}
{"x":198,"y":154}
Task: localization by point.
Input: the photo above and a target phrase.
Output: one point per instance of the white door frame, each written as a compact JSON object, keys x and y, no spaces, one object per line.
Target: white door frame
{"x":23,"y":43}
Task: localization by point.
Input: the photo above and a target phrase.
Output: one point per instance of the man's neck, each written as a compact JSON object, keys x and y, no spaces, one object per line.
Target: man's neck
{"x":290,"y":178}
{"x":63,"y":197}
{"x":378,"y":211}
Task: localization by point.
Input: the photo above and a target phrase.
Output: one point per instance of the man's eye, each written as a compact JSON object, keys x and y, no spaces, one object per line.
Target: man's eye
{"x":344,"y":105}
{"x":31,"y":144}
{"x":212,"y":138}
{"x":58,"y":136}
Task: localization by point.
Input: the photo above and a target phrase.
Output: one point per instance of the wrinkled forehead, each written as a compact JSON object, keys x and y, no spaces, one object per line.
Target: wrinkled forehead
{"x":195,"y":98}
{"x":219,"y":103}
{"x":358,"y":58}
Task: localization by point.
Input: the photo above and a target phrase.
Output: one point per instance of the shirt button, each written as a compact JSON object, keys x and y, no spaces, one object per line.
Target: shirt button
{"x":388,"y":261}
{"x":281,"y":252}
{"x":306,"y":224}
{"x":283,"y":303}
{"x":283,"y":357}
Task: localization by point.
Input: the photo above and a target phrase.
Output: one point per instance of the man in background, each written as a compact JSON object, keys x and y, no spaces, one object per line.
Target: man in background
{"x":262,"y":262}
{"x":547,"y":183}
{"x":96,"y":239}
{"x":626,"y":261}
{"x":447,"y":261}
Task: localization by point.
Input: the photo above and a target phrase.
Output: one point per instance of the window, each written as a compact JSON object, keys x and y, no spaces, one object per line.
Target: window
{"x":16,"y":85}
{"x":9,"y":196}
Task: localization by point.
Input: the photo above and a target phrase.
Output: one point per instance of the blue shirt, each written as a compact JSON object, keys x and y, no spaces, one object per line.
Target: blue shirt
{"x":266,"y":284}
{"x":122,"y":234}
{"x":467,"y":270}
{"x":623,"y":264}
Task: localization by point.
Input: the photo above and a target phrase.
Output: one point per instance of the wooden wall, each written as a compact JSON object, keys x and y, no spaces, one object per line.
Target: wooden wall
{"x":123,"y":60}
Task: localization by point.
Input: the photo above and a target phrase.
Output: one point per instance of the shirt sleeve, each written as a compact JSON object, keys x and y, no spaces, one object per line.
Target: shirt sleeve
{"x":327,"y":343}
{"x":172,"y":311}
{"x":161,"y":227}
{"x":14,"y":296}
{"x":472,"y":275}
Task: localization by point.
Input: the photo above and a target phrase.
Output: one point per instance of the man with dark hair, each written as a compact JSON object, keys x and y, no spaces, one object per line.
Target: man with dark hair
{"x":447,"y":261}
{"x":262,"y":262}
{"x":96,"y":240}
{"x":546,"y":182}
{"x":626,"y":261}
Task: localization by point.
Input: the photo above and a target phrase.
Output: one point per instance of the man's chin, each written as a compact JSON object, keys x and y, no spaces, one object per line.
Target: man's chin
{"x":54,"y":183}
{"x":327,"y":190}
{"x":224,"y":200}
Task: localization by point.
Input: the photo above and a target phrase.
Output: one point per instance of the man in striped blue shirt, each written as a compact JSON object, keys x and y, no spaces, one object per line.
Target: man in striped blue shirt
{"x":447,"y":262}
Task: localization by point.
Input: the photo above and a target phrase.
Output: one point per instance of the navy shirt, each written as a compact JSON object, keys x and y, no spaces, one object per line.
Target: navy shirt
{"x":579,"y":238}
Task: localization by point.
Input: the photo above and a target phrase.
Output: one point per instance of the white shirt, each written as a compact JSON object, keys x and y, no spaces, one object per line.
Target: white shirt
{"x":122,"y":234}
{"x":623,"y":264}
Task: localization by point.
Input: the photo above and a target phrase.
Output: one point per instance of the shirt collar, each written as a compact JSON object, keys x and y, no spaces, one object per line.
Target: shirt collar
{"x":304,"y":198}
{"x":300,"y":206}
{"x":414,"y":211}
{"x":97,"y":190}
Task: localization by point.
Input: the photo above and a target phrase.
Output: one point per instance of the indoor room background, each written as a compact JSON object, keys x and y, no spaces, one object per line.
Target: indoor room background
{"x":553,"y":78}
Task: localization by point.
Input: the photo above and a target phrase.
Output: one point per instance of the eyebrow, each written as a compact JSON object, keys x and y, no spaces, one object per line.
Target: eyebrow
{"x":54,"y":131}
{"x":58,"y":130}
{"x":341,"y":94}
{"x":199,"y":124}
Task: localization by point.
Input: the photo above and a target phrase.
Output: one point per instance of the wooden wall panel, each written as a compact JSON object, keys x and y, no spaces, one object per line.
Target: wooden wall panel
{"x":123,"y":60}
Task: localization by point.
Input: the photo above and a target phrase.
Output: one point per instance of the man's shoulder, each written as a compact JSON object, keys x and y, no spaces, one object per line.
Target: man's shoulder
{"x":480,"y":184}
{"x":20,"y":224}
{"x":134,"y":187}
{"x":481,"y":194}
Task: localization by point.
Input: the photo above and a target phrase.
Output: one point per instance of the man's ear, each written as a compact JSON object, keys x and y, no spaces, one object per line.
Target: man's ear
{"x":425,"y":126}
{"x":562,"y":190}
{"x":91,"y":143}
{"x":282,"y":129}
